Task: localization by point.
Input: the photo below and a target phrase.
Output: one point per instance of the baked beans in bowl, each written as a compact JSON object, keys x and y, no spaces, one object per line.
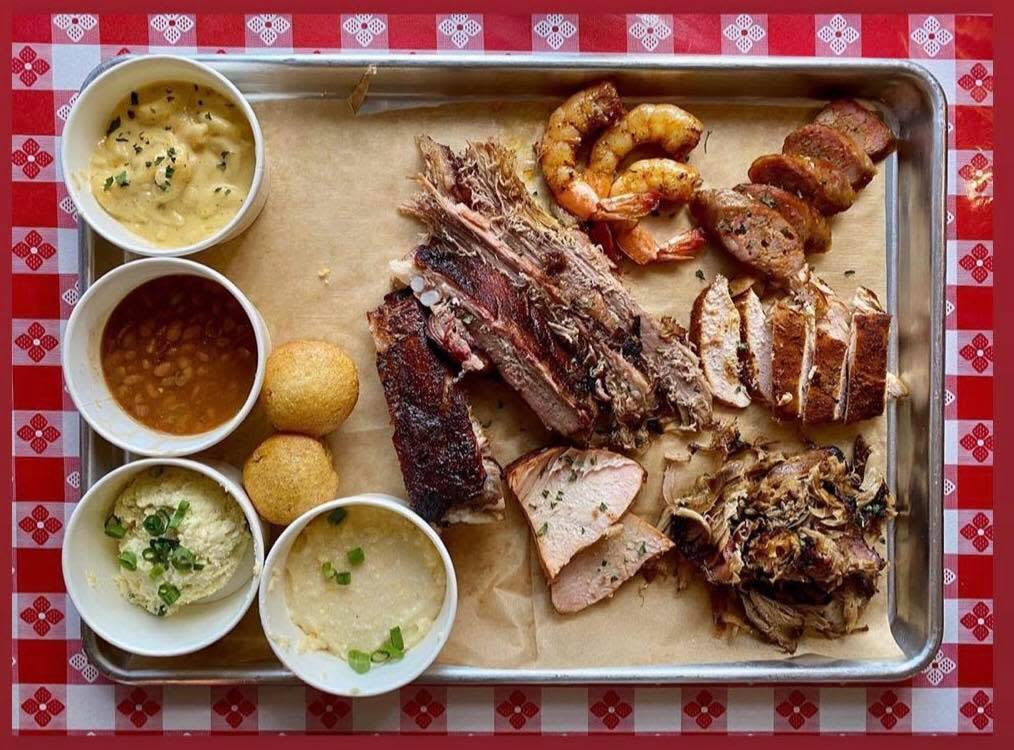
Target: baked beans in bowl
{"x":164,"y":356}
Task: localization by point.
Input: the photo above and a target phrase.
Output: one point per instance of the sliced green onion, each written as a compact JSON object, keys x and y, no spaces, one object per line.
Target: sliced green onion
{"x":379,"y":656}
{"x":168,"y":593}
{"x":114,"y":528}
{"x":396,"y":639}
{"x":327,"y":569}
{"x":198,"y":566}
{"x":182,"y":559}
{"x":181,"y":510}
{"x":156,"y":523}
{"x":344,"y":578}
{"x":356,"y":556}
{"x":359,"y":661}
{"x":156,"y":571}
{"x":336,"y":516}
{"x":149,"y":554}
{"x":128,"y":560}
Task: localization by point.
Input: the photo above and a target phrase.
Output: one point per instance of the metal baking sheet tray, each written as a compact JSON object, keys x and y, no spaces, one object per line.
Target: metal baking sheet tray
{"x":911,"y":101}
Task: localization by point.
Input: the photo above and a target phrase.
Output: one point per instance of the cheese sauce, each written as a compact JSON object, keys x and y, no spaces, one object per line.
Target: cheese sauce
{"x":176,"y":163}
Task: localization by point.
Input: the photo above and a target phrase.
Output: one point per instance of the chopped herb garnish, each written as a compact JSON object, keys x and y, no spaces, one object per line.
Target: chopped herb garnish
{"x":138,"y":149}
{"x":343,"y":578}
{"x":359,"y":661}
{"x":613,"y":579}
{"x":159,"y":160}
{"x":109,"y":183}
{"x":642,"y":550}
{"x":121,"y":139}
{"x":356,"y":556}
{"x":147,"y":165}
{"x":207,"y":116}
{"x":168,"y":593}
{"x":133,"y":98}
{"x":228,"y":190}
{"x":114,"y":528}
{"x":582,"y":531}
{"x":850,"y":272}
{"x":552,"y":504}
{"x":156,"y":571}
{"x":121,"y":179}
{"x":218,"y":189}
{"x":156,"y":523}
{"x":699,"y":274}
{"x":603,"y":507}
{"x":113,"y":126}
{"x":128,"y":560}
{"x":542,"y":530}
{"x":336,"y":516}
{"x":172,"y":153}
{"x":177,"y":517}
{"x":182,"y":559}
{"x":169,"y":172}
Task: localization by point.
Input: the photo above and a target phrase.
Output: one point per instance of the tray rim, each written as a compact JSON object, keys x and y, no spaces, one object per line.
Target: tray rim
{"x":753,"y":672}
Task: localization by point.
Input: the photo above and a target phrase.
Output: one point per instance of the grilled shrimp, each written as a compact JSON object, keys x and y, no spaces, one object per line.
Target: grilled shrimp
{"x":672,"y":182}
{"x":638,"y":244}
{"x":671,"y":128}
{"x":583,"y":114}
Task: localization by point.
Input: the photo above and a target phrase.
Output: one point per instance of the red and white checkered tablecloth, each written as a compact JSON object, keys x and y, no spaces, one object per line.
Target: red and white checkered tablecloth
{"x":57,"y":690}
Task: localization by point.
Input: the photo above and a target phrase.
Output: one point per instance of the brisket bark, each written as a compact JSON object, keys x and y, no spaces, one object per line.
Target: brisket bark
{"x":540,"y":302}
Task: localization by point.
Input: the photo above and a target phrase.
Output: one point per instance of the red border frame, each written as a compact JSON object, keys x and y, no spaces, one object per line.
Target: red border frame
{"x":1004,"y":310}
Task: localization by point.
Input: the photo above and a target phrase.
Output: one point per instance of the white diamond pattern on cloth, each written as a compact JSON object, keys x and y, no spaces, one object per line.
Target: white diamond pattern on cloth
{"x":949,"y":487}
{"x":744,"y":41}
{"x":172,"y":26}
{"x":838,"y":34}
{"x":67,"y":206}
{"x":931,"y":36}
{"x":460,"y":28}
{"x":948,"y":397}
{"x":268,"y":27}
{"x":364,"y":27}
{"x":63,"y":111}
{"x":74,"y":479}
{"x":555,"y":29}
{"x":75,"y":25}
{"x":949,"y":576}
{"x":80,"y":663}
{"x":72,"y":295}
{"x":939,"y":668}
{"x":650,"y":30}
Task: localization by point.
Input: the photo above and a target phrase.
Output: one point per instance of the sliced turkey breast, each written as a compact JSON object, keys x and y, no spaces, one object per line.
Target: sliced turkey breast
{"x":714,"y":330}
{"x":867,"y":357}
{"x":862,"y":125}
{"x":596,"y":572}
{"x":814,"y":180}
{"x":571,"y":497}
{"x":825,"y":395}
{"x":792,"y":335}
{"x":754,"y":346}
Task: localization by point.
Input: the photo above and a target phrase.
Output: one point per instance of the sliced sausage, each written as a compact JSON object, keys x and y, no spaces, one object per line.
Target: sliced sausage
{"x":862,"y":125}
{"x":813,"y":228}
{"x":812,"y":179}
{"x":751,"y":232}
{"x":833,"y":146}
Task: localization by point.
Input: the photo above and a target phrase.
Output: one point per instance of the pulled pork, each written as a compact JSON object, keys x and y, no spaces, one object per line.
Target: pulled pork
{"x":787,"y":541}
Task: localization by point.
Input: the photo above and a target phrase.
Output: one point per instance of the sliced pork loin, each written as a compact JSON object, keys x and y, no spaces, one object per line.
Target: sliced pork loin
{"x":445,"y":460}
{"x":833,"y":146}
{"x":814,"y":180}
{"x":813,"y":229}
{"x":571,"y":497}
{"x":714,"y":330}
{"x":754,"y":346}
{"x":792,"y":340}
{"x":825,"y":395}
{"x":861,"y":124}
{"x":867,"y":357}
{"x":596,"y":572}
{"x":750,"y":231}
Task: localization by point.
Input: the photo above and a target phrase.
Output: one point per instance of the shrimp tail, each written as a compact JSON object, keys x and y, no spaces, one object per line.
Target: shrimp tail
{"x":627,"y":206}
{"x":684,"y":246}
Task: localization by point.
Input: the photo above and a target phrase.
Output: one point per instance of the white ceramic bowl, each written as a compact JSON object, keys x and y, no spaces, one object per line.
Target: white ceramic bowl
{"x":90,"y":564}
{"x":82,"y":367}
{"x":326,"y":671}
{"x":86,"y":126}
